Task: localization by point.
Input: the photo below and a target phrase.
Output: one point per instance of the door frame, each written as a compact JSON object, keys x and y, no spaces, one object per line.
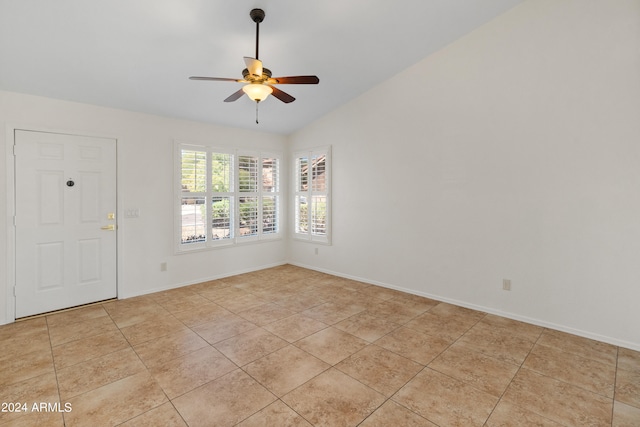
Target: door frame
{"x":11,"y":210}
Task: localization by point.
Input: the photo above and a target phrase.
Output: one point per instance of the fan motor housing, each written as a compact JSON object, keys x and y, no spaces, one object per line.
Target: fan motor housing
{"x":266,"y":74}
{"x":257,"y":15}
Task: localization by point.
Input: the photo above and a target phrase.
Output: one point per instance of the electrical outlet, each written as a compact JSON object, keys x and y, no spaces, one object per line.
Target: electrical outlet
{"x":506,"y":284}
{"x":163,"y":266}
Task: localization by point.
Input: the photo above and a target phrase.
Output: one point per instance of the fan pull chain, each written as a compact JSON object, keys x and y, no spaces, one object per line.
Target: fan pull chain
{"x":257,"y":102}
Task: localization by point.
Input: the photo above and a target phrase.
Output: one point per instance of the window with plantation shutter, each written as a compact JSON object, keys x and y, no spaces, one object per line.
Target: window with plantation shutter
{"x":312,"y":195}
{"x":193,"y":195}
{"x":226,"y":197}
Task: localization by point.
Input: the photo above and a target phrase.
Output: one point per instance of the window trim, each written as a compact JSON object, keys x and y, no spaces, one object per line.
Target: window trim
{"x":235,"y":195}
{"x":310,"y":236}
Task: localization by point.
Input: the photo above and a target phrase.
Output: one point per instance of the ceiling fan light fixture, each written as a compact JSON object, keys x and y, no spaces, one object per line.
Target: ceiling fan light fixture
{"x":257,"y":91}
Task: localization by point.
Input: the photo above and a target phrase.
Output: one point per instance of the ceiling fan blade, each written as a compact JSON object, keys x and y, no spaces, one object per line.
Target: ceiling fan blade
{"x":216,"y":79}
{"x":254,"y":66}
{"x":282,"y":96}
{"x":295,"y":80}
{"x":234,"y":96}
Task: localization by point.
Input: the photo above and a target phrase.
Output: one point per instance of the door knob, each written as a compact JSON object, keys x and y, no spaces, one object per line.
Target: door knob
{"x":109,"y":227}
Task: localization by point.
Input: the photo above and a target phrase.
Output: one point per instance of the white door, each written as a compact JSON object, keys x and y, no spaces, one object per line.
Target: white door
{"x":65,"y":221}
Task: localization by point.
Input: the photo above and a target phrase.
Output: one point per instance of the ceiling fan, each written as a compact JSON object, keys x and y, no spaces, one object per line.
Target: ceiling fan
{"x":258,"y":81}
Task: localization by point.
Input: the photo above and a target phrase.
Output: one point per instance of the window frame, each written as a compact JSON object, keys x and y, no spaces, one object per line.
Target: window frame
{"x":309,"y":235}
{"x":234,"y":195}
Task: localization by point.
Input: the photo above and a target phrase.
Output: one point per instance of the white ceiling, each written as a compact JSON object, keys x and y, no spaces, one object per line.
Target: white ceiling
{"x":138,"y":54}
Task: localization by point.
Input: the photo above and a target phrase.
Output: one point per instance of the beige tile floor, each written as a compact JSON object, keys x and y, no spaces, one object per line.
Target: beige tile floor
{"x":293,"y":347}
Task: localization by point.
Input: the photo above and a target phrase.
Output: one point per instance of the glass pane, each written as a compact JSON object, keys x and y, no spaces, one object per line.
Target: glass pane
{"x":248,"y":174}
{"x":270,"y":175}
{"x":302,"y":216}
{"x":302,"y":174}
{"x":194,"y":171}
{"x":270,"y":214}
{"x":193,"y":217}
{"x":221,"y":221}
{"x":318,"y":181}
{"x":248,"y":208}
{"x":319,"y":215}
{"x":221,"y":173}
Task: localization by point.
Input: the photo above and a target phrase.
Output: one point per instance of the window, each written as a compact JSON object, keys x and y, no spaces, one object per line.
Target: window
{"x":226,"y":196}
{"x":312,"y":195}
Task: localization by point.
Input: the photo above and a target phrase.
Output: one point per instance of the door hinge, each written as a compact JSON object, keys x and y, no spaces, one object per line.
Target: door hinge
{"x":14,"y":292}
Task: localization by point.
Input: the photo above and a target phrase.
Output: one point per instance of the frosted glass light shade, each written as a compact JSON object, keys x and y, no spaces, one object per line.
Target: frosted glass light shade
{"x":257,"y":92}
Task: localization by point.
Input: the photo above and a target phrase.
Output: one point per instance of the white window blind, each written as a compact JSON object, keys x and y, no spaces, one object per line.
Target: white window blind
{"x":312,"y":195}
{"x":225,"y":197}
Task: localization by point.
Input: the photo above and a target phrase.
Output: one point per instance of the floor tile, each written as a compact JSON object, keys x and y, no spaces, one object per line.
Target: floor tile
{"x":159,"y":351}
{"x":557,"y":400}
{"x":152,"y":329}
{"x":76,"y":315}
{"x":43,"y":388}
{"x":250,"y":346}
{"x":116,"y":402}
{"x":498,"y":342}
{"x":412,"y":344}
{"x":183,"y":374}
{"x":337,"y":351}
{"x":380,"y":369}
{"x":224,"y":327}
{"x":26,"y":366}
{"x":277,"y":414}
{"x":129,"y":314}
{"x":64,"y":333}
{"x":331,"y":312}
{"x":81,"y":350}
{"x":331,"y":345}
{"x":299,"y":302}
{"x":210,"y":285}
{"x":378,"y":292}
{"x":476,"y":369}
{"x":220,"y":293}
{"x":296,"y":327}
{"x":334,"y":399}
{"x":285,"y":369}
{"x":265,"y":314}
{"x":24,"y":337}
{"x":367,"y":325}
{"x":574,"y":369}
{"x":95,"y":373}
{"x":236,"y":304}
{"x":446,"y":401}
{"x":513,"y":327}
{"x":237,"y":397}
{"x":392,"y":414}
{"x":460,"y":314}
{"x":598,"y":351}
{"x":509,"y":415}
{"x":625,"y":415}
{"x":202,"y":314}
{"x":628,"y":387}
{"x":400,"y":311}
{"x":186,"y":302}
{"x":628,"y":360}
{"x":164,"y":415}
{"x":439,"y":326}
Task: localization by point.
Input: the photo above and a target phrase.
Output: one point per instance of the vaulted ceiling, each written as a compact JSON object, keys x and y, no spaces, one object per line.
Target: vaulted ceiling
{"x":138,"y":54}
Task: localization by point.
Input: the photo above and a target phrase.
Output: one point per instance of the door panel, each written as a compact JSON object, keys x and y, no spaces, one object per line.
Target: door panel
{"x":65,"y":205}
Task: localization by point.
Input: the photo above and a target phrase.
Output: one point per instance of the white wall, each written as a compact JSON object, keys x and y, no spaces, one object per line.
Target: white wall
{"x":145,"y":181}
{"x":512,"y":153}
